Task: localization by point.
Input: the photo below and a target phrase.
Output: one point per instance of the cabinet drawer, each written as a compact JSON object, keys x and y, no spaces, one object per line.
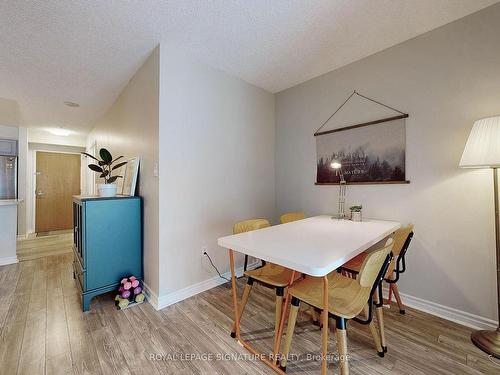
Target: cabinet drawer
{"x":78,"y":257}
{"x":79,"y":274}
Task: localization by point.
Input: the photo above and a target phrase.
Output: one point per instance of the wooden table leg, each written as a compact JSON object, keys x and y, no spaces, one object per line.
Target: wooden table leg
{"x":324,"y":332}
{"x":235,"y":295}
{"x":279,"y":309}
{"x":250,"y":348}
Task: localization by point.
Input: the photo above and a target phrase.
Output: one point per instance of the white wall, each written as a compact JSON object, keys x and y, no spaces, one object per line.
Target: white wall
{"x":444,"y":79}
{"x":42,"y":135}
{"x":130,"y":128}
{"x":22,"y":181}
{"x":216,"y":166}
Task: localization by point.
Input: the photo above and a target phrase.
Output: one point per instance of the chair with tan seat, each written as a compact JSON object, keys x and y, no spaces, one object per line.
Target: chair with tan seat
{"x":347,"y":298}
{"x":292,"y":216}
{"x":269,"y":274}
{"x":247,"y":226}
{"x":402,"y":239}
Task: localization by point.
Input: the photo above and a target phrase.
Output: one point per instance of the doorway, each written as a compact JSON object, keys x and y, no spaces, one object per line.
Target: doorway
{"x":57,"y":180}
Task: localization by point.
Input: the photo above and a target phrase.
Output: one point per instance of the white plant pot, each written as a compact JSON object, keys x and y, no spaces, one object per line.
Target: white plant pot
{"x":356,"y":216}
{"x":107,"y":190}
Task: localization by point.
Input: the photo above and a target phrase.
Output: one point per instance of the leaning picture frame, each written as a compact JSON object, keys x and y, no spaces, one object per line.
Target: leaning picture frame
{"x":130,"y":176}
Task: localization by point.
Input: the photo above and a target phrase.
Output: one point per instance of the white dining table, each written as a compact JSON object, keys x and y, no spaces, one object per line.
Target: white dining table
{"x":314,"y":246}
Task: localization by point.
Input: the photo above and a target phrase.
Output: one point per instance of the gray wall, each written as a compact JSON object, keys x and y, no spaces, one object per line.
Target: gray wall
{"x":216,"y":166}
{"x":444,"y":79}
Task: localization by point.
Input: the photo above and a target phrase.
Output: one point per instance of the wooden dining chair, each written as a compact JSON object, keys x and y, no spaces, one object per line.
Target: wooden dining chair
{"x":292,"y":216}
{"x":270,"y":275}
{"x":347,"y":298}
{"x":402,"y":238}
{"x":247,"y":226}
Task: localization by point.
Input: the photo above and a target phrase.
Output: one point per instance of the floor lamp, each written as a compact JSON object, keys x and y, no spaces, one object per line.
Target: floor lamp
{"x":483,"y":151}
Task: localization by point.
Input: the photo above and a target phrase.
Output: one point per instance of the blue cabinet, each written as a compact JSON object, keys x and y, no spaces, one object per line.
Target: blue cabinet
{"x":107,"y":243}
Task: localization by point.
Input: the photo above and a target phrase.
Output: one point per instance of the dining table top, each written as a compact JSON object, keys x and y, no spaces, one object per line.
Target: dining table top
{"x":314,"y":246}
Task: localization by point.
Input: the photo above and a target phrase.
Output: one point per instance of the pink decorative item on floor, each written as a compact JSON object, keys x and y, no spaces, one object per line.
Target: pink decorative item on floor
{"x":130,"y":293}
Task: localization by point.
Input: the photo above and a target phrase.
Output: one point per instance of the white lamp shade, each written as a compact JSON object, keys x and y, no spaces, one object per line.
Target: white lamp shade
{"x":482,"y":149}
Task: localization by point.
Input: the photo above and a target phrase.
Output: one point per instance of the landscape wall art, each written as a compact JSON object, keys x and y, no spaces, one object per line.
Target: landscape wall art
{"x":372,"y":153}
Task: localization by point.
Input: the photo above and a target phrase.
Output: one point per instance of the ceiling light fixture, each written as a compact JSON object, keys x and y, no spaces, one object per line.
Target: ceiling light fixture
{"x":72,"y":104}
{"x":60,"y":131}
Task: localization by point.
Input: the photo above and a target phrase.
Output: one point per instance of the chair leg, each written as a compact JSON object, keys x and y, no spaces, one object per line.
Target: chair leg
{"x":280,"y":292}
{"x":321,"y":319}
{"x":332,"y":324}
{"x":244,"y":300}
{"x":292,"y":319}
{"x":342,"y":346}
{"x":389,"y":297}
{"x":398,"y":298}
{"x":315,"y":317}
{"x":246,"y":263}
{"x":375,"y":334}
{"x":380,"y":317}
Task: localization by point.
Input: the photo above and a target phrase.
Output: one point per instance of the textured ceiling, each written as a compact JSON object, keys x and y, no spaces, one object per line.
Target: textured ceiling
{"x":53,"y":51}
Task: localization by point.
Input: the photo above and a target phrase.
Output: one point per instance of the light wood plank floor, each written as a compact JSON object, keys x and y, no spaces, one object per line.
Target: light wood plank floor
{"x":43,"y":331}
{"x":43,"y":246}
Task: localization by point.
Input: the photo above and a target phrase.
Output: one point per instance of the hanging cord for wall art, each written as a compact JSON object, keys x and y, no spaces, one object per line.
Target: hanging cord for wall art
{"x":349,"y":98}
{"x":382,"y":104}
{"x":334,"y":113}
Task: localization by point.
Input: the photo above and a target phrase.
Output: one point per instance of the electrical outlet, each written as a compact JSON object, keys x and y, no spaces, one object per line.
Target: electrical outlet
{"x":203,"y":251}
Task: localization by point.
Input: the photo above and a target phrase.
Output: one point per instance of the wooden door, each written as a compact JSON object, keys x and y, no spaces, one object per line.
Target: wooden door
{"x":57,"y":180}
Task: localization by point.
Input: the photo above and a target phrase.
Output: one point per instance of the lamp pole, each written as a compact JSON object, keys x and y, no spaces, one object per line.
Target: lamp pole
{"x":337,"y":165}
{"x":489,"y":341}
{"x":342,"y":193}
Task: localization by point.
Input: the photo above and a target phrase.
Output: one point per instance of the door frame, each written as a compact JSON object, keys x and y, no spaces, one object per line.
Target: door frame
{"x":33,"y":148}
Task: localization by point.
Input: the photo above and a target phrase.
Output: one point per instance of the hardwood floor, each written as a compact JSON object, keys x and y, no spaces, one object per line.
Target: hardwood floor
{"x":43,"y":331}
{"x":45,"y":245}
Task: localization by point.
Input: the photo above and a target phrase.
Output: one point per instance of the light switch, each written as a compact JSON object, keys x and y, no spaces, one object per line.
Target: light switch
{"x":155,"y":170}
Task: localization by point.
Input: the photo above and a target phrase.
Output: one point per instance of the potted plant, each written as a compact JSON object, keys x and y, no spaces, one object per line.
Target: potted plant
{"x":356,"y":213}
{"x":105,"y":167}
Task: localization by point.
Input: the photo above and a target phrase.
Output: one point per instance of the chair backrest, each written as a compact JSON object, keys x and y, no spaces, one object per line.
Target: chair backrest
{"x":373,"y":264}
{"x":292,"y":216}
{"x":400,"y":245}
{"x":248,"y":225}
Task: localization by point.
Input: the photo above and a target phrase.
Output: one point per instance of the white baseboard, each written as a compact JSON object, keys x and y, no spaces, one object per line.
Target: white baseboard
{"x":169,"y":299}
{"x":445,"y":312}
{"x":151,"y":296}
{"x":8,"y":260}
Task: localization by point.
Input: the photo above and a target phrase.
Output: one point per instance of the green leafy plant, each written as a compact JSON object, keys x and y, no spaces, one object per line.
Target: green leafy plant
{"x":356,"y":208}
{"x":105,"y":166}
